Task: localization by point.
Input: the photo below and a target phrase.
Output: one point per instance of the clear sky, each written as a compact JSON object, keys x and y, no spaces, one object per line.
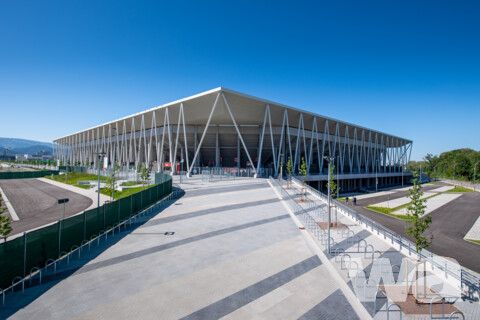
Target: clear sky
{"x":409,"y":68}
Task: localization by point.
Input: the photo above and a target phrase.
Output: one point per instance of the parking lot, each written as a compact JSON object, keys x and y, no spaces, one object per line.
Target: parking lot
{"x":449,"y":225}
{"x":35,"y":203}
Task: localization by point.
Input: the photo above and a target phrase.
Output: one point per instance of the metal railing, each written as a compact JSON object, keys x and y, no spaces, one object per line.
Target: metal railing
{"x":469,"y":282}
{"x":158,"y":206}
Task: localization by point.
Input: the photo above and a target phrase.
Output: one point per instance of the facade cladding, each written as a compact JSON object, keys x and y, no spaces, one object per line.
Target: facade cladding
{"x":242,"y":132}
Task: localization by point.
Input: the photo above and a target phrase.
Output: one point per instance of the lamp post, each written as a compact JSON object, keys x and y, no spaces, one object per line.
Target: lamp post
{"x":338,"y":189}
{"x":403,"y":168}
{"x":99,"y":154}
{"x":454,"y":165}
{"x":376,"y":176}
{"x":329,"y":159}
{"x":113,"y":163}
{"x":474,"y":172}
{"x":435,"y":170}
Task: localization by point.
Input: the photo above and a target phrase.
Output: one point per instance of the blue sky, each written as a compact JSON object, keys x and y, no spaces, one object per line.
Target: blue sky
{"x":409,"y":68}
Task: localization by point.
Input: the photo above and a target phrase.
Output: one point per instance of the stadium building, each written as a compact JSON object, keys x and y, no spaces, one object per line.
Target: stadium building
{"x":226,"y":129}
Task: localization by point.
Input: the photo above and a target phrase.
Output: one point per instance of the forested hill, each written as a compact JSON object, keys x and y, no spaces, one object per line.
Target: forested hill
{"x":16,"y":146}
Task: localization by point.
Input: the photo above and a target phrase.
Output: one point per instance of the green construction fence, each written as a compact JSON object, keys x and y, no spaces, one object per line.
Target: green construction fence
{"x":33,"y":249}
{"x":27,"y":174}
{"x":72,"y":169}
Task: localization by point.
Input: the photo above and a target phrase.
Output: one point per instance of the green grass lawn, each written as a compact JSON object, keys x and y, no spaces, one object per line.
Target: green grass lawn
{"x":131,"y":183}
{"x":388,"y":212}
{"x":474,"y":241}
{"x":83,"y":186}
{"x":74,"y":177}
{"x":125,"y":192}
{"x":460,"y":189}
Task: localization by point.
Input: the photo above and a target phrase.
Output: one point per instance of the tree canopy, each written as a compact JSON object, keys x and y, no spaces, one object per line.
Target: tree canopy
{"x":457,"y":162}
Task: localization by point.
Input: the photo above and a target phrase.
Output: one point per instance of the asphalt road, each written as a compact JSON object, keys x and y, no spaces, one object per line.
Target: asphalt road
{"x":396,"y":195}
{"x":449,"y":225}
{"x":35,"y":202}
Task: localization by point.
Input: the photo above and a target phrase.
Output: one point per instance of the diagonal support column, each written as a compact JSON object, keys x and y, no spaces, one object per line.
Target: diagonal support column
{"x":240,"y":135}
{"x":261,"y":139}
{"x":203,"y":134}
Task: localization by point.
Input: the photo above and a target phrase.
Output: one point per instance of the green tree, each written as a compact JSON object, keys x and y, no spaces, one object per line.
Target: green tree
{"x":304,"y":171}
{"x":5,"y":222}
{"x":331,"y":183}
{"x":139,"y":170}
{"x":110,"y":185}
{"x":416,"y":209}
{"x":289,"y":171}
{"x":145,"y":176}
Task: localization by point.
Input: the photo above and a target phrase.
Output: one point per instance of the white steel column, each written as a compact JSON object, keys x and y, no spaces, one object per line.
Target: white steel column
{"x":204,"y":133}
{"x":261,"y":139}
{"x":238,"y":131}
{"x":185,"y":137}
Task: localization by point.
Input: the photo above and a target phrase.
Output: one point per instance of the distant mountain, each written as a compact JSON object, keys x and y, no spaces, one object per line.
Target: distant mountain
{"x":17,"y":146}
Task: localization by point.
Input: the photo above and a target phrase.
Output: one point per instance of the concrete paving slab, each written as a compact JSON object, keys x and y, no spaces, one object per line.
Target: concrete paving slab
{"x":384,"y":247}
{"x":400,"y":201}
{"x":474,"y":232}
{"x":230,"y":254}
{"x":442,"y":189}
{"x":434,"y":203}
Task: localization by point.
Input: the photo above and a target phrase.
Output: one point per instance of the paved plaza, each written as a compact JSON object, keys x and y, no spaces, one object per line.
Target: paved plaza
{"x":356,"y":264}
{"x":234,"y":253}
{"x":231,"y":249}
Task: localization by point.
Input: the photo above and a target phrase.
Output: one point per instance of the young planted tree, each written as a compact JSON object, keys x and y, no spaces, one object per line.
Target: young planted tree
{"x":138,"y":171}
{"x":416,"y":210}
{"x":5,"y":222}
{"x":145,"y":176}
{"x":332,"y":185}
{"x":289,"y":172}
{"x":110,"y":186}
{"x":304,"y":172}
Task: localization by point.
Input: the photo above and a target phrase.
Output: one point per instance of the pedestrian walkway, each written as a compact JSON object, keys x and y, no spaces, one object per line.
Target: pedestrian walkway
{"x":434,"y":203}
{"x":474,"y":232}
{"x":397,"y":202}
{"x":356,"y":253}
{"x":231,"y":252}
